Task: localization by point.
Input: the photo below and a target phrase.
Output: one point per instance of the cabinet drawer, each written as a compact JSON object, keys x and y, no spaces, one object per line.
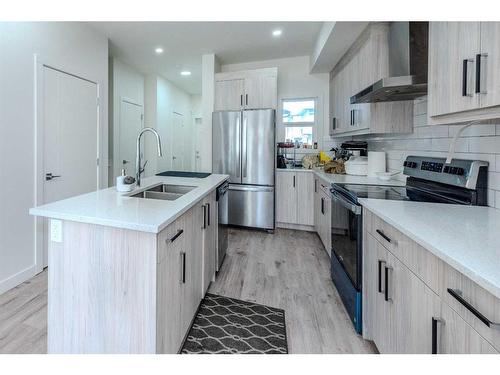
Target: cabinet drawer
{"x":474,"y":304}
{"x":420,"y":261}
{"x":324,"y":186}
{"x":170,"y":237}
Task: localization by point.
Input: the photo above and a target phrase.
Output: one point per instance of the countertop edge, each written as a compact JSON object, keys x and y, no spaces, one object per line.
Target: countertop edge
{"x":460,"y":267}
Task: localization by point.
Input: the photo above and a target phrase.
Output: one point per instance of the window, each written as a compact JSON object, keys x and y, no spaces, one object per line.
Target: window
{"x":298,"y":117}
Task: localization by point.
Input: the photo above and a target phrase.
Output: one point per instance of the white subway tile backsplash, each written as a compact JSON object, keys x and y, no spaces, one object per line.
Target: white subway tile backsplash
{"x":485,"y":145}
{"x":478,"y":142}
{"x":473,"y":130}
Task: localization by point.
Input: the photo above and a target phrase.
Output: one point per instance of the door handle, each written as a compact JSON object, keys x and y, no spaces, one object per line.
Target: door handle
{"x":50,"y":176}
{"x":208,"y":214}
{"x":204,"y":208}
{"x":479,"y":62}
{"x":238,"y":145}
{"x":386,"y":282}
{"x":380,"y":263}
{"x":183,"y":267}
{"x":434,"y":338}
{"x":244,"y":143}
{"x":465,"y":76}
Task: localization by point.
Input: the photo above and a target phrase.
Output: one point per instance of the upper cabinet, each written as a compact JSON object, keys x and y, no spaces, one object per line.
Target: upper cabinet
{"x":250,"y":89}
{"x":464,"y":71}
{"x":364,"y":63}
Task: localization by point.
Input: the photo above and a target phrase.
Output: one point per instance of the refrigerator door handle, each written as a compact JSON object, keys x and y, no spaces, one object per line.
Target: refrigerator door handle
{"x":238,"y":147}
{"x":244,"y":146}
{"x":251,"y":188}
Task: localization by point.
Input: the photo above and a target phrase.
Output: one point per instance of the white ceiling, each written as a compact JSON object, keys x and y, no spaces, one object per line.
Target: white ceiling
{"x":185,"y":42}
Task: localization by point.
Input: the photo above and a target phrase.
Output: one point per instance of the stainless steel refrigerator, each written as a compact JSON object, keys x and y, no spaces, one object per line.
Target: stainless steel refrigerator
{"x":244,"y":148}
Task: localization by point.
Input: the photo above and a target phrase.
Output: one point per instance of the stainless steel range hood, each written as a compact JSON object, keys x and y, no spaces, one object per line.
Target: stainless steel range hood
{"x":407,"y":66}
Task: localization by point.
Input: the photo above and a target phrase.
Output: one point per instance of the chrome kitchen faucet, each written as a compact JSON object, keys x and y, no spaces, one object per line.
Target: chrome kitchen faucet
{"x":138,"y":168}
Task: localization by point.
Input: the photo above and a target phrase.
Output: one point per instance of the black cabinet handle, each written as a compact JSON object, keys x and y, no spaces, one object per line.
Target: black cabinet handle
{"x":434,"y":335}
{"x":241,"y":100}
{"x":208,"y":214}
{"x":175,"y":236}
{"x":294,"y":181}
{"x":386,"y":281}
{"x":478,"y":73}
{"x":204,"y":208}
{"x":383,"y":235}
{"x":322,"y":205}
{"x":464,"y":76}
{"x":315,"y":186}
{"x":183,"y":267}
{"x":455,"y":293}
{"x":380,"y":263}
{"x":246,"y":99}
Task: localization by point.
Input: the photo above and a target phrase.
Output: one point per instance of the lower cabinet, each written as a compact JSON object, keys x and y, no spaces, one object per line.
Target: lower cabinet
{"x":209,"y":233}
{"x":322,"y":212}
{"x":401,"y":313}
{"x":186,"y":266}
{"x":294,"y":197}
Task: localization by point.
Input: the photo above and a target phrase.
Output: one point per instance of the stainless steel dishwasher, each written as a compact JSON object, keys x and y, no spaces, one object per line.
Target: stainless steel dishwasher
{"x":222,"y":229}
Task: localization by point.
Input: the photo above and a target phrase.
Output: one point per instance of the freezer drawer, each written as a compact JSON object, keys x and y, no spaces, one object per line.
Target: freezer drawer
{"x":251,"y":206}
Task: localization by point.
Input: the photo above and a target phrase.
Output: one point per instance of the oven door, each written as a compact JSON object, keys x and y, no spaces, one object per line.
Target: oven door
{"x":346,"y":232}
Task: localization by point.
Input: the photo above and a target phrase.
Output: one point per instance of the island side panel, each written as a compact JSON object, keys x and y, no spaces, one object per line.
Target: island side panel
{"x":102,"y":290}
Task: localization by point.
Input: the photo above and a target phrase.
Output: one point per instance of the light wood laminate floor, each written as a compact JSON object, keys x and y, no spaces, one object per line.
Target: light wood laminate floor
{"x":288,"y":270}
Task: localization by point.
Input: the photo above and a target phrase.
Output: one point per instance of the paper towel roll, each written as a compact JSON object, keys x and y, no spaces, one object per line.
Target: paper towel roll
{"x":376,"y":162}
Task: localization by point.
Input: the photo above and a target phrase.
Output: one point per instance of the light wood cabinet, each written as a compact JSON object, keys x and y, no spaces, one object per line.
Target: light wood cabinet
{"x":364,"y":63}
{"x":229,"y":94}
{"x":464,"y":66}
{"x":404,"y":310}
{"x":209,"y":233}
{"x":294,"y":198}
{"x":251,"y":89}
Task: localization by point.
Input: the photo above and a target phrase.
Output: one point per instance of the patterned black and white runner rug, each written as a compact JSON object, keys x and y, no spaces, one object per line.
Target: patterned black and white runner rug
{"x":229,"y":326}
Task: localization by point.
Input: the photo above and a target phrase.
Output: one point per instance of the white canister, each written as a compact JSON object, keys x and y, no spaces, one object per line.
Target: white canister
{"x":376,"y":163}
{"x":356,"y":165}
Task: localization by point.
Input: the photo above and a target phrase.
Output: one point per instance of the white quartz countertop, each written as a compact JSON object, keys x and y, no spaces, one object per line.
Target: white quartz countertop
{"x":115,"y":209}
{"x":465,"y":237}
{"x":334,"y":178}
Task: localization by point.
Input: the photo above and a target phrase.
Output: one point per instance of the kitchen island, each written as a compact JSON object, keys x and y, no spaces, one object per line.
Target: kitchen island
{"x":127,"y":271}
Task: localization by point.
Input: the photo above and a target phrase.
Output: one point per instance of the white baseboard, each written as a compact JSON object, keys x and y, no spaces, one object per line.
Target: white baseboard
{"x":17,"y":279}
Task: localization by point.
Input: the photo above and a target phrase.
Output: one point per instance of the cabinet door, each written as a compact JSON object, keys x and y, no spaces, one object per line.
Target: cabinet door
{"x":286,"y":197}
{"x":260,"y":92}
{"x":414,"y":305}
{"x":382,"y":323}
{"x":490,"y":64}
{"x":317,"y":205}
{"x":305,"y":196}
{"x":326,"y":237}
{"x":209,"y":226}
{"x":169,"y":327}
{"x":229,"y":95}
{"x":455,"y":336}
{"x":452,"y":51}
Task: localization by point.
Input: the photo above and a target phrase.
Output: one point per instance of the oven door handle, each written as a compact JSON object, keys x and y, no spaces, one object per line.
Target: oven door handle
{"x":354,"y":208}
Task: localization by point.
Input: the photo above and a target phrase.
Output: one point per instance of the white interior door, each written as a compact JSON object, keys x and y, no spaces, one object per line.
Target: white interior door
{"x":70,"y":137}
{"x":131,"y":122}
{"x":178,"y":142}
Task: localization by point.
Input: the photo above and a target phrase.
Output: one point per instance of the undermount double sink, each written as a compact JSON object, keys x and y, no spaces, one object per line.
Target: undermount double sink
{"x":165,"y":192}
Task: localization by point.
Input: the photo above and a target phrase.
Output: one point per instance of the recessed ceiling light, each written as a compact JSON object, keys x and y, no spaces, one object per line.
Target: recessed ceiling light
{"x":185,"y":73}
{"x":277,"y":32}
{"x":158,"y":50}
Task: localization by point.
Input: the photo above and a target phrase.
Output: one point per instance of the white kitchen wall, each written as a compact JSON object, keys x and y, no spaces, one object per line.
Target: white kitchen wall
{"x":480,"y":142}
{"x":209,"y":66}
{"x":294,"y":81}
{"x":126,"y":82}
{"x":162,"y":99}
{"x":72,"y":47}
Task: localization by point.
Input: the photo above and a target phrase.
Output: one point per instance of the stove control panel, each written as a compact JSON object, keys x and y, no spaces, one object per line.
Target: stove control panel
{"x":460,"y":172}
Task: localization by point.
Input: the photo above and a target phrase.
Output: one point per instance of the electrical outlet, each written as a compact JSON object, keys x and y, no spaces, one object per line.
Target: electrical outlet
{"x":56,"y":230}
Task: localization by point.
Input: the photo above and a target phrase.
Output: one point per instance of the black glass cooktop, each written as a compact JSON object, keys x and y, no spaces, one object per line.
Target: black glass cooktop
{"x":373,"y":191}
